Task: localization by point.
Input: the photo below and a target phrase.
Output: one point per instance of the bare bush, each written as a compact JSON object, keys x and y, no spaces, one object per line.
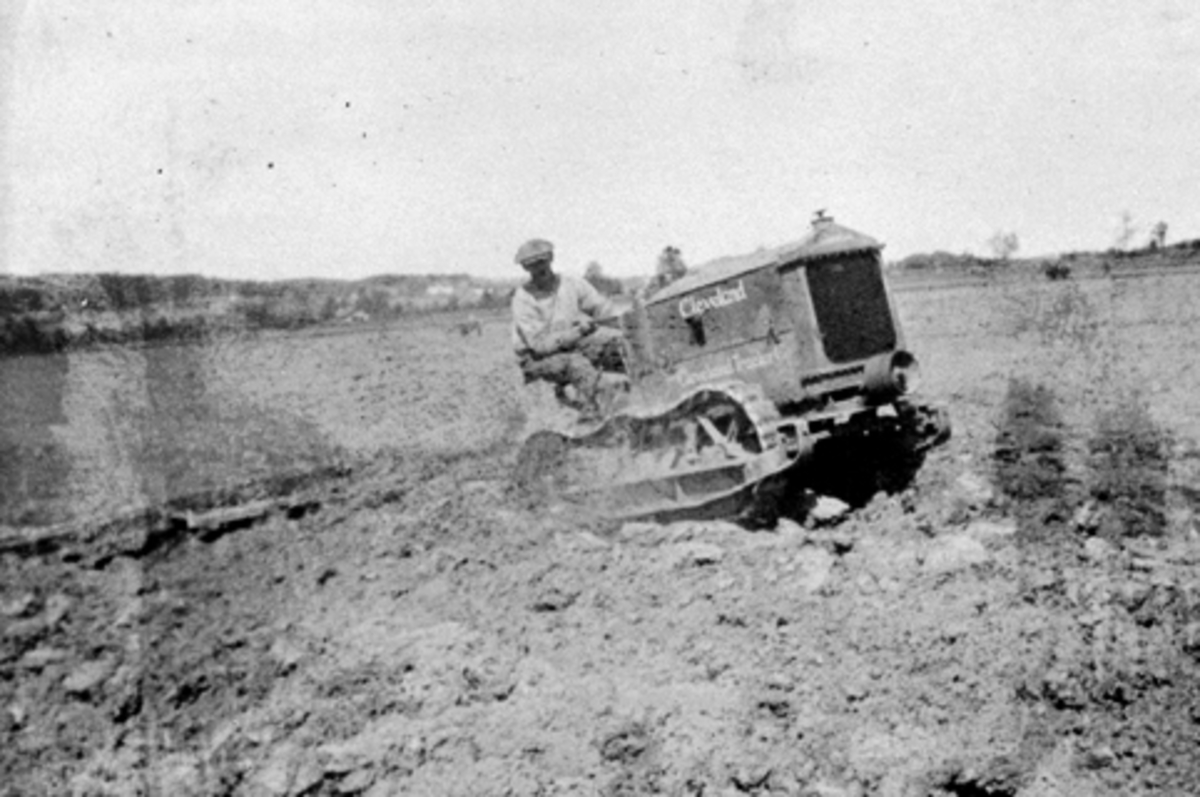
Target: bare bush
{"x":1004,"y":244}
{"x":1158,"y":235}
{"x":1125,"y":231}
{"x":609,"y":286}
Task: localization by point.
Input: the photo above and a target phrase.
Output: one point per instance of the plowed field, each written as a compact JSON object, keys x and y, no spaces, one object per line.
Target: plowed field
{"x":378,"y":612}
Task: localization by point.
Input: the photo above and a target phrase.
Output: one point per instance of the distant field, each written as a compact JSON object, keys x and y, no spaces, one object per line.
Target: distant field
{"x":96,"y":432}
{"x":1093,"y":341}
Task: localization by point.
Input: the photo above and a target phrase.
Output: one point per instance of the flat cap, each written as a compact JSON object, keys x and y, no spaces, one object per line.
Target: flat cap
{"x":534,"y":249}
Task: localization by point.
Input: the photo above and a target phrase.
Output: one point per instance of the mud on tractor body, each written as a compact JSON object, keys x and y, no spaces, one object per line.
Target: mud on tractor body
{"x":749,"y":379}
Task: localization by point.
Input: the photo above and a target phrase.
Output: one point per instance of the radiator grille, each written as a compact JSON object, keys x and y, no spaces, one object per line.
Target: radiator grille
{"x":852,"y":308}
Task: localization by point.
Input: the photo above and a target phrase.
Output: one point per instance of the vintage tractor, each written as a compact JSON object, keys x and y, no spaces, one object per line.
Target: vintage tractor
{"x":747,"y":380}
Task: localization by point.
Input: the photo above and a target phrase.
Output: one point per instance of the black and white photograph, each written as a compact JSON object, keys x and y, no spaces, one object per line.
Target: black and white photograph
{"x":533,"y":399}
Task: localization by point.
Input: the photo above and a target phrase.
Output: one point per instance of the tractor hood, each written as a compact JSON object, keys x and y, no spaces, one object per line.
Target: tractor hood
{"x":826,"y":238}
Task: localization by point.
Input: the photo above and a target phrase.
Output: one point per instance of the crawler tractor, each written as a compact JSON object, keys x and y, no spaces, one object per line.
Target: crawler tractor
{"x":746,"y":382}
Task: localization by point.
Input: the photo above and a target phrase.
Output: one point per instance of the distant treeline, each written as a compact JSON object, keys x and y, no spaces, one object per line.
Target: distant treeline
{"x":117,"y":292}
{"x":1184,"y":250}
{"x":41,"y":333}
{"x":967,"y":263}
{"x":56,"y":313}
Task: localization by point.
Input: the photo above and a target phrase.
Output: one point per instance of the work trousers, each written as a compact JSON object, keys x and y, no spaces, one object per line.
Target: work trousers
{"x":579,"y":367}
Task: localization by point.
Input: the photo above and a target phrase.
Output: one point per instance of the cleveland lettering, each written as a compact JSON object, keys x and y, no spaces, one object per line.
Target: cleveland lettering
{"x":695,"y":305}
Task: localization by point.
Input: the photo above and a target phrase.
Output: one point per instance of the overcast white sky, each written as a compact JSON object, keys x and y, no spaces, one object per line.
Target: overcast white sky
{"x":342,"y":138}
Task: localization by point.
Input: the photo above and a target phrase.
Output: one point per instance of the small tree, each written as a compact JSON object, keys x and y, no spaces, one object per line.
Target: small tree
{"x":1125,"y":230}
{"x":1158,"y":235}
{"x":594,"y":274}
{"x":374,"y":302}
{"x":669,"y":268}
{"x":329,"y":309}
{"x":670,"y":265}
{"x":1004,"y":244}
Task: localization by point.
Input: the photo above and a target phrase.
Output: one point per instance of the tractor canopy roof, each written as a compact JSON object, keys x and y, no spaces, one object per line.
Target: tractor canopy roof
{"x":825,"y":239}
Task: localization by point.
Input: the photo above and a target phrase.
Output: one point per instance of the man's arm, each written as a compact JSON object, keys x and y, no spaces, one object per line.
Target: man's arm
{"x":592,"y":302}
{"x":529,"y":333}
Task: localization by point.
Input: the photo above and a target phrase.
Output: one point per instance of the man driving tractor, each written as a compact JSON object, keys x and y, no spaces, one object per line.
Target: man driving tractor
{"x":555,"y":331}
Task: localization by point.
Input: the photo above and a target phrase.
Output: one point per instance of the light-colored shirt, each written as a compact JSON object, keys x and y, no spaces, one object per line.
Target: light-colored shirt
{"x":540,"y":322}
